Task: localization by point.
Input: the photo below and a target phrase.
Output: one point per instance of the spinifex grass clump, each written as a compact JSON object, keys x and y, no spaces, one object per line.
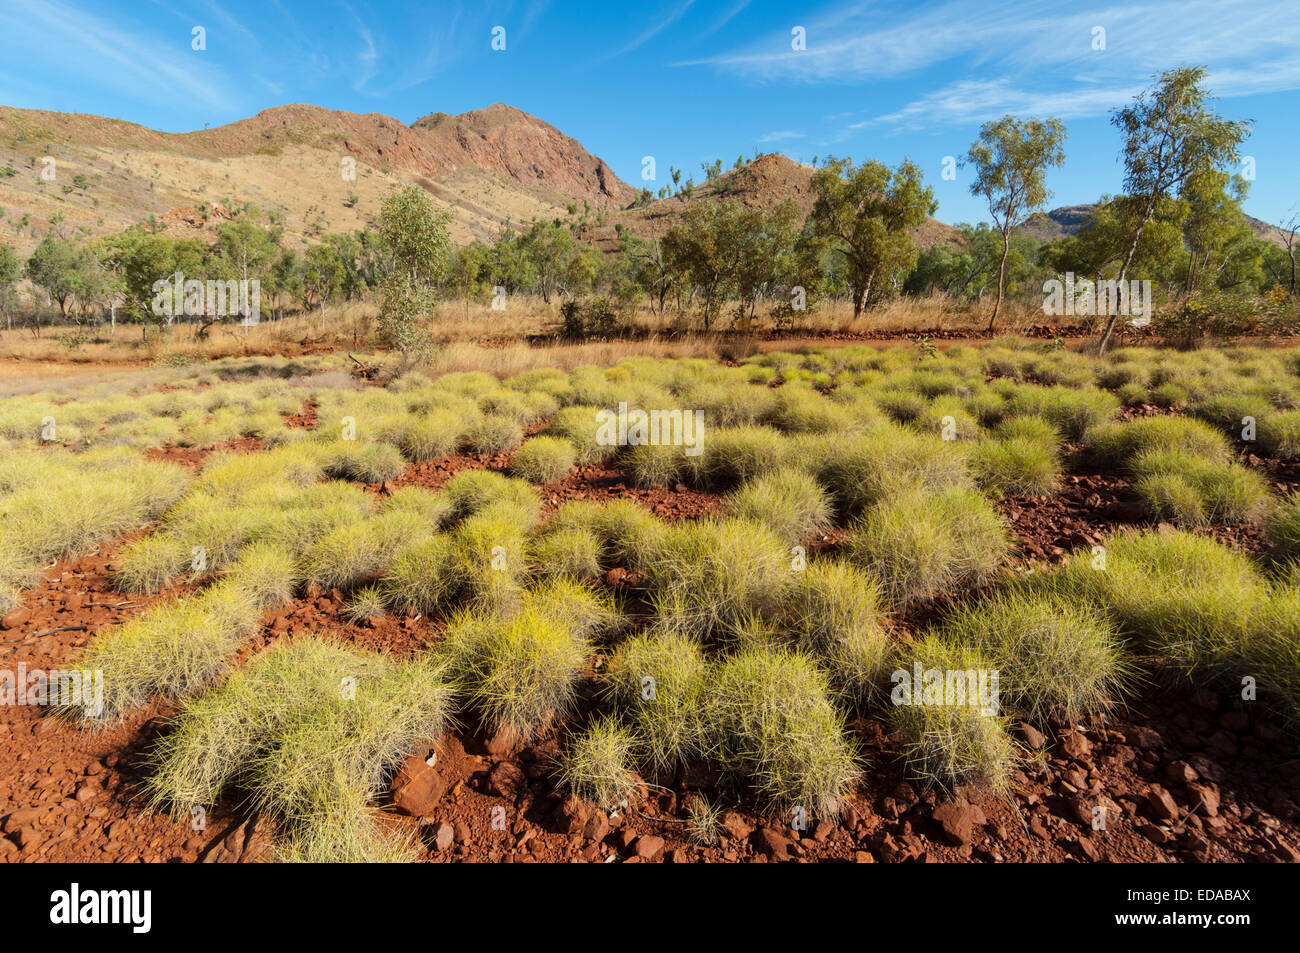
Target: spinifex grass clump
{"x":1021,"y":461}
{"x":952,"y":732}
{"x":1193,"y":491}
{"x":493,"y":433}
{"x":309,"y":730}
{"x":656,"y":681}
{"x":597,"y":765}
{"x":150,"y":564}
{"x":1272,"y":653}
{"x":1074,"y":412}
{"x":518,"y":673}
{"x":580,"y":426}
{"x":93,"y":498}
{"x":489,"y":553}
{"x":172,"y":650}
{"x":861,"y":471}
{"x":422,"y":577}
{"x":922,"y":546}
{"x":543,"y":459}
{"x":1279,"y":433}
{"x":363,"y":462}
{"x":628,"y":535}
{"x":1185,"y":598}
{"x":1119,"y":444}
{"x":733,"y":455}
{"x":1055,"y":657}
{"x":1282,"y":527}
{"x":773,"y":726}
{"x":350,"y":553}
{"x":473,"y":490}
{"x":574,"y":553}
{"x":711,"y":574}
{"x":834,"y":613}
{"x":790,"y":502}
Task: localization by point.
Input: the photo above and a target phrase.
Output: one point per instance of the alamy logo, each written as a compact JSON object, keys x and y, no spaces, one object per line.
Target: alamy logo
{"x":947,"y":688}
{"x":639,"y":428}
{"x":1083,"y":296}
{"x":73,"y":906}
{"x":57,"y":688}
{"x":179,"y":295}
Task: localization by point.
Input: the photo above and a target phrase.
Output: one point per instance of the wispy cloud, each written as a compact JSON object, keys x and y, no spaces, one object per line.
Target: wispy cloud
{"x":150,"y":67}
{"x":781,"y":135}
{"x":654,"y":30}
{"x":1031,"y":56}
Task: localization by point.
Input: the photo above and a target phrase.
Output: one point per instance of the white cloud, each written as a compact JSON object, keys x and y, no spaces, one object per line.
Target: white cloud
{"x":780,"y":136}
{"x":1032,"y":56}
{"x":152,"y":68}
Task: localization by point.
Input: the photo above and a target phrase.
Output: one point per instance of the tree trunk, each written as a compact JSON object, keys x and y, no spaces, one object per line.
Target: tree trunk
{"x":1002,"y":271}
{"x":1119,"y":281}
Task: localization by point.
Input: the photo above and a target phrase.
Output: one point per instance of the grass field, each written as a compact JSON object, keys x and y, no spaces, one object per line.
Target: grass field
{"x":858,"y":537}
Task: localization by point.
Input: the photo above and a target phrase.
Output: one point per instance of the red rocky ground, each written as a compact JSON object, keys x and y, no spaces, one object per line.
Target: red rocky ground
{"x":1178,"y":778}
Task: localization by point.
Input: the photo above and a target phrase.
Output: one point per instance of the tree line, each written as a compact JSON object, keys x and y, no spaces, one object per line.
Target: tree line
{"x":1179,"y":223}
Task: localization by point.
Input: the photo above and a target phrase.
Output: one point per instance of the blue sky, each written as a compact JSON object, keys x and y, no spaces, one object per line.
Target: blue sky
{"x":684,"y":81}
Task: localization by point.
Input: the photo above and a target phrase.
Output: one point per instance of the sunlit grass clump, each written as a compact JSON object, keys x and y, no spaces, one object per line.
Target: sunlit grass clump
{"x":598,"y":764}
{"x":835,"y":613}
{"x":543,"y":459}
{"x":656,"y":681}
{"x":709,"y":575}
{"x":1055,"y":658}
{"x":922,"y":546}
{"x":1186,"y":599}
{"x":790,"y":502}
{"x":310,"y":730}
{"x":774,"y":727}
{"x":950,"y":737}
{"x":518,"y":673}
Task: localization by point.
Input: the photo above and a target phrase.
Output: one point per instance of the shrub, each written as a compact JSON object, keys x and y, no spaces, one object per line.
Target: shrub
{"x":543,"y":459}
{"x":711,"y":574}
{"x":949,"y":741}
{"x":493,"y":434}
{"x":1055,"y":658}
{"x":598,"y":764}
{"x":656,"y":681}
{"x":521,"y":672}
{"x":150,"y":564}
{"x":790,"y":502}
{"x":1015,"y":466}
{"x":925,"y":545}
{"x":1279,"y":433}
{"x":773,"y":725}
